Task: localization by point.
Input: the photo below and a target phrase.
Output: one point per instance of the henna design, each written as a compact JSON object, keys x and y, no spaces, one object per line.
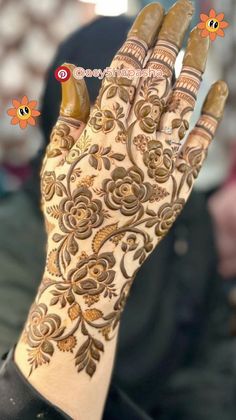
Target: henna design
{"x":187,"y":86}
{"x":206,"y":126}
{"x":105,"y":217}
{"x":133,"y":53}
{"x":163,"y":57}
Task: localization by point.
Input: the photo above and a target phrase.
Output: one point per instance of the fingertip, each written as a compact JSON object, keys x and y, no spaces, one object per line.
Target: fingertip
{"x":197,"y":50}
{"x":147,"y":23}
{"x":176,"y":22}
{"x":215,"y":101}
{"x":75,"y":101}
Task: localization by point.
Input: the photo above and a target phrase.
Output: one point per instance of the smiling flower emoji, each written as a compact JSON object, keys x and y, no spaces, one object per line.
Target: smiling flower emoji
{"x":212,"y":25}
{"x":23,"y":112}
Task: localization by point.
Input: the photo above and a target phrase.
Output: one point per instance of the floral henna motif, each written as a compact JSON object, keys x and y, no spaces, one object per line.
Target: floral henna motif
{"x":94,"y":276}
{"x":159,"y":161}
{"x":126,"y":190}
{"x":105,"y":120}
{"x":148,"y":109}
{"x":60,"y":140}
{"x":41,"y":330}
{"x":121,"y":87}
{"x":106,"y":217}
{"x":80,"y":213}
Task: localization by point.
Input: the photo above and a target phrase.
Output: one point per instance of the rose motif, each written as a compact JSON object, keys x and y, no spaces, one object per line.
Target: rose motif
{"x":60,"y":139}
{"x":48,"y":185}
{"x":80,"y":214}
{"x":126,"y":191}
{"x":103,"y":120}
{"x":93,"y":274}
{"x":148,"y":112}
{"x":167,"y":214}
{"x":158,"y":161}
{"x":43,"y":327}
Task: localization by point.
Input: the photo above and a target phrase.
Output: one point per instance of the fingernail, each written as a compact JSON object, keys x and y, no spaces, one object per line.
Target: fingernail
{"x":147,"y":23}
{"x":75,"y":98}
{"x":196,"y":51}
{"x":176,"y":22}
{"x":216,"y":98}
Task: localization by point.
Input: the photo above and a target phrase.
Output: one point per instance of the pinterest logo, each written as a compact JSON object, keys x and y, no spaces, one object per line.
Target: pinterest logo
{"x":62,"y":73}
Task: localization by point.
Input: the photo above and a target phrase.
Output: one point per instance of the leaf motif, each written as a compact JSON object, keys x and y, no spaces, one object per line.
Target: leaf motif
{"x":54,"y":300}
{"x":98,"y":344}
{"x":61,"y":177}
{"x":92,"y":314}
{"x":124,"y":247}
{"x":74,"y":311}
{"x":83,"y":348}
{"x":106,"y":150}
{"x":91,"y":368}
{"x":95,"y":354}
{"x":47,"y":347}
{"x":93,"y":161}
{"x":56,"y":237}
{"x":70,"y":298}
{"x":189,"y":180}
{"x":176,"y":123}
{"x":81,"y":366}
{"x":66,"y":256}
{"x":106,"y":163}
{"x":58,"y":190}
{"x":138,"y":253}
{"x":150,"y":223}
{"x":94,"y":149}
{"x":123,"y":94}
{"x":102,"y":234}
{"x":73,"y":246}
{"x":118,"y":156}
{"x":54,"y":211}
{"x":151,"y":212}
{"x":111,"y":92}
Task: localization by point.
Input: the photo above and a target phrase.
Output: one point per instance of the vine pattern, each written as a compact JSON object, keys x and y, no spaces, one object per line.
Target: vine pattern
{"x":115,"y":197}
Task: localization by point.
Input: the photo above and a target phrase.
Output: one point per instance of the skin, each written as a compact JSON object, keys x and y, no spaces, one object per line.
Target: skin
{"x":176,"y":22}
{"x":196,"y":53}
{"x":81,"y":387}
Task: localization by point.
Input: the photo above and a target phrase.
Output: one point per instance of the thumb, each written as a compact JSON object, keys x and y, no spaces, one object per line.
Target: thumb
{"x":75,"y":98}
{"x":73,"y":116}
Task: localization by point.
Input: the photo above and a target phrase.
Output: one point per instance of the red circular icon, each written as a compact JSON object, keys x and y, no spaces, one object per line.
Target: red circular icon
{"x":62,"y":73}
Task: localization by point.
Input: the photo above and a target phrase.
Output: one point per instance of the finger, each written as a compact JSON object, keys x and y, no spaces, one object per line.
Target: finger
{"x":170,"y":37}
{"x":174,"y":122}
{"x":194,"y":151}
{"x":121,"y":80}
{"x":74,"y":113}
{"x":155,"y":87}
{"x":140,"y":37}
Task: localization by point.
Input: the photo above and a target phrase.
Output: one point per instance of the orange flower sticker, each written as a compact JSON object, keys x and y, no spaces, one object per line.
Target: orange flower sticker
{"x":212,"y":25}
{"x":23,"y":112}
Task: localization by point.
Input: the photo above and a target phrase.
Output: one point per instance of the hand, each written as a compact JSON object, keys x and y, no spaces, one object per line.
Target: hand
{"x":223,"y":210}
{"x":111,"y":190}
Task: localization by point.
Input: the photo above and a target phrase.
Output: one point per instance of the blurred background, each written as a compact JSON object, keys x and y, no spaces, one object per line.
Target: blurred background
{"x":189,"y":326}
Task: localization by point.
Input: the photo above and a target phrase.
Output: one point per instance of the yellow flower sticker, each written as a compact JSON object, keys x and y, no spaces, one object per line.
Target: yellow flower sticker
{"x":212,"y":25}
{"x":23,"y":112}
